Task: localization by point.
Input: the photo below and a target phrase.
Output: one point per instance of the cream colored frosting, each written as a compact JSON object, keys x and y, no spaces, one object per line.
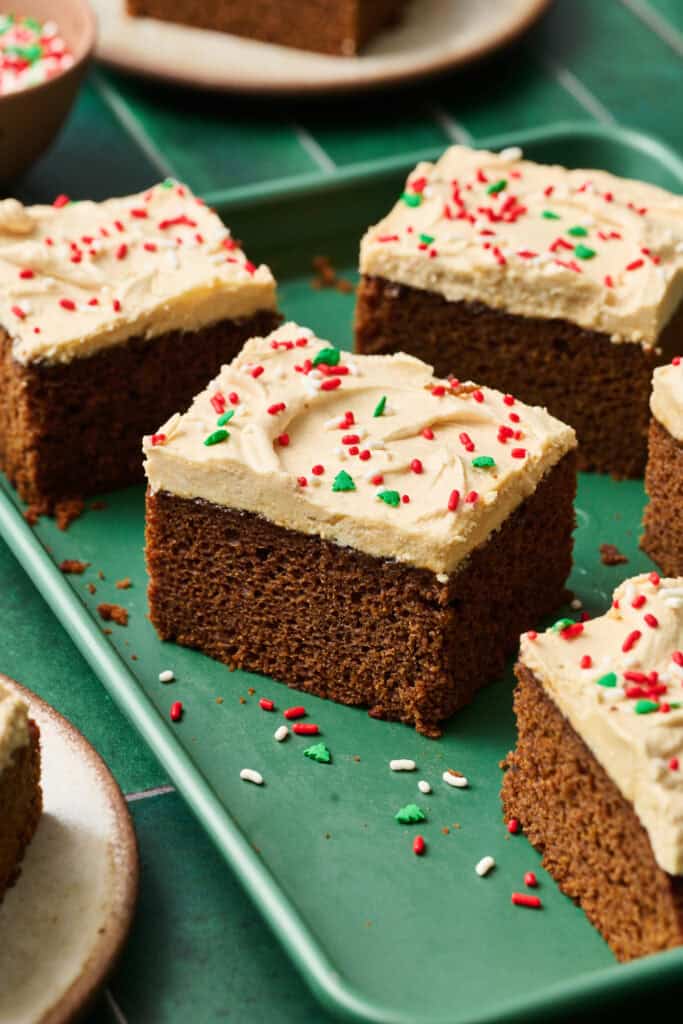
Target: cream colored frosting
{"x":635,"y":733}
{"x":666,"y":401}
{"x":134,"y":266}
{"x":449,"y":234}
{"x":280,"y":394}
{"x":13,"y":725}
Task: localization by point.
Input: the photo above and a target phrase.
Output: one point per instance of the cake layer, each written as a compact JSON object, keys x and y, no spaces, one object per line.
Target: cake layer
{"x":602,"y":252}
{"x":79,"y":277}
{"x":667,"y":397}
{"x":663,"y":519}
{"x":71,"y":429}
{"x":618,"y":680}
{"x":371,"y":452}
{"x":340,"y":28}
{"x":592,"y":841}
{"x":408,"y":644}
{"x":531,"y":357}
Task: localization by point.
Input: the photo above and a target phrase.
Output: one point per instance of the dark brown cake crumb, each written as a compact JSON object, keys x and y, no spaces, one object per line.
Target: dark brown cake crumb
{"x":100,"y":574}
{"x":113,"y":613}
{"x":124,"y":584}
{"x":32,"y":514}
{"x":326,"y":276}
{"x":68,"y":510}
{"x":73,"y":566}
{"x":92,"y":588}
{"x":611,"y":555}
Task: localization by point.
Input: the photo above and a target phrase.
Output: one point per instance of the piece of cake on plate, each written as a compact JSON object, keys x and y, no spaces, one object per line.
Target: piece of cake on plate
{"x":340,"y":28}
{"x":21,"y":798}
{"x":111,"y":316}
{"x":663,"y":521}
{"x":355,"y":527}
{"x":596,"y":778}
{"x":561,"y":286}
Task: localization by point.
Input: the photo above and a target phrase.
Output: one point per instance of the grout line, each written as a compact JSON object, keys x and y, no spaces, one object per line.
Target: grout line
{"x":145,"y":794}
{"x":451,"y":128}
{"x":118,"y":1013}
{"x":658,"y":24}
{"x":568,"y":80}
{"x":127,"y":119}
{"x":316,"y":152}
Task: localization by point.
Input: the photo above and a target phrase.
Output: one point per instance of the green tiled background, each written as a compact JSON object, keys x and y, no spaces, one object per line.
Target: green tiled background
{"x":198,"y":949}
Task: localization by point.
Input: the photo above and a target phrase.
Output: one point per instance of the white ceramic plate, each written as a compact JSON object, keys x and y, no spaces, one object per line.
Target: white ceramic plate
{"x":433,"y":35}
{"x":63,"y":923}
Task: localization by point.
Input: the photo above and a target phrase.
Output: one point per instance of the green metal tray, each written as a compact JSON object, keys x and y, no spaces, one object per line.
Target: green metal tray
{"x":378,"y":934}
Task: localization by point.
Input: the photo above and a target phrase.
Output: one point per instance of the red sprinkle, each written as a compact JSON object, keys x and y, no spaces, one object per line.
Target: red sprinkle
{"x":677,"y":658}
{"x":508,"y":399}
{"x":176,"y":710}
{"x":256,"y":371}
{"x":518,"y":453}
{"x":651,"y":620}
{"x":318,"y":470}
{"x":586,"y":661}
{"x":295,"y":712}
{"x":523,"y":899}
{"x":377,"y":479}
{"x":122,"y":251}
{"x":158,"y":438}
{"x":277,"y":407}
{"x":302,"y":481}
{"x":265,"y":704}
{"x":571,"y":632}
{"x":638,"y":601}
{"x":609,"y":281}
{"x":673,"y":764}
{"x":472,"y":497}
{"x":416,"y":466}
{"x":478,"y":395}
{"x":68,"y":304}
{"x":331,"y":384}
{"x":419,"y":846}
{"x":513,"y":823}
{"x":218,"y":402}
{"x":631,"y":640}
{"x":26,"y":274}
{"x":635,"y":265}
{"x":365,"y":455}
{"x":19,"y":312}
{"x":654,"y":579}
{"x":116,"y":305}
{"x":466,"y":441}
{"x":530,"y":880}
{"x":453,"y":500}
{"x":405,"y":498}
{"x":234,"y":398}
{"x":305,"y":729}
{"x":428,"y":433}
{"x":531,"y":634}
{"x":283,"y":441}
{"x":60,"y":201}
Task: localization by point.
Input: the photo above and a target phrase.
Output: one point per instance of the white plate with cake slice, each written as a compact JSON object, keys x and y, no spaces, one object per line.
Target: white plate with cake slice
{"x":64,"y":921}
{"x":431,"y":36}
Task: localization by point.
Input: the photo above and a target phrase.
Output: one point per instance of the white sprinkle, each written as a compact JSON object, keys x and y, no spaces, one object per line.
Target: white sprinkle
{"x":167,"y":676}
{"x":353,"y":369}
{"x":281,"y":733}
{"x":511,"y":153}
{"x":442,"y":577}
{"x":424,"y":786}
{"x":576,"y":603}
{"x":459,"y":781}
{"x":402,"y":764}
{"x":485,"y":865}
{"x":249,"y":775}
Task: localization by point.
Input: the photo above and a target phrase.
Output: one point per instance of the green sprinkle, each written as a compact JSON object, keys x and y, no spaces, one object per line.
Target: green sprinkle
{"x":168,"y":183}
{"x":549,"y":215}
{"x":31,"y":53}
{"x":496,"y":187}
{"x":427,"y":239}
{"x":392,"y":498}
{"x":318,"y":752}
{"x":343,"y":482}
{"x":561,"y":624}
{"x":646,"y":707}
{"x":33,"y":24}
{"x":583,"y":252}
{"x":412,"y":198}
{"x":577,"y":231}
{"x":609,"y":679}
{"x":329,"y":356}
{"x":410,"y":814}
{"x":483,"y":462}
{"x":216,"y":437}
{"x":225,"y":418}
{"x":379,"y":408}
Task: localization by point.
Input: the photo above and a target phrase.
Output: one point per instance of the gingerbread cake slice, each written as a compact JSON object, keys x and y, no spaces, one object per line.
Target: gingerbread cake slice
{"x":112,"y":315}
{"x":560,"y":286}
{"x":355,"y":527}
{"x":663,"y":520}
{"x":21,"y":799}
{"x":340,"y":28}
{"x":596,"y":778}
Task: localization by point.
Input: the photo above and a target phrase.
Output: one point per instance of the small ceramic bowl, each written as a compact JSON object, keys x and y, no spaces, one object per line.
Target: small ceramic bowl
{"x":31,"y":117}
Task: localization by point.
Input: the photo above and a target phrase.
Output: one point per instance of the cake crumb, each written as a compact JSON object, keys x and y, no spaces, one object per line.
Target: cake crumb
{"x":113,"y":613}
{"x":32,"y":514}
{"x":133,"y":657}
{"x":251,"y":691}
{"x":326,"y":276}
{"x":243,"y":700}
{"x":219,"y":700}
{"x":107,"y":632}
{"x":100,"y":574}
{"x":72,"y":566}
{"x":68,"y":510}
{"x":445,"y":830}
{"x":92,"y":589}
{"x":123,"y":584}
{"x":611,"y":555}
{"x":356,"y":758}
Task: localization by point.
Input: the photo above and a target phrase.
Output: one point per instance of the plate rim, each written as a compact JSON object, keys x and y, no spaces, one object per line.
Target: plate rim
{"x":424,"y":68}
{"x":103,"y":956}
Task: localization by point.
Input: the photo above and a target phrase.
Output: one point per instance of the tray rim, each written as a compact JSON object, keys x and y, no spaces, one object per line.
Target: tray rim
{"x":298,"y":940}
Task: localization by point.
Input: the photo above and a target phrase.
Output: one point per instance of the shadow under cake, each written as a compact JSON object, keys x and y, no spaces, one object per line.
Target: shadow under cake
{"x":356,"y":528}
{"x":561,"y":287}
